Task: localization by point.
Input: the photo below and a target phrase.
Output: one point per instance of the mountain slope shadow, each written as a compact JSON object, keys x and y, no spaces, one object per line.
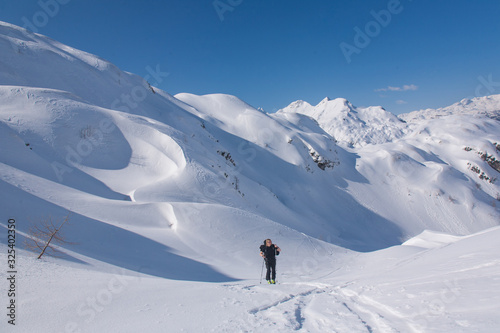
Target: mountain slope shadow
{"x":104,"y":242}
{"x":126,"y":249}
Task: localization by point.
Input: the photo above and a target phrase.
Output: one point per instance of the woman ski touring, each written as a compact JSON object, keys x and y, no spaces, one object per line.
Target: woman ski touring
{"x":269,"y":251}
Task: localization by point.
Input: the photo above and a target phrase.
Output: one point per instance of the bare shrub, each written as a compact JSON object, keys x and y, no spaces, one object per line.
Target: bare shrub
{"x":45,"y":235}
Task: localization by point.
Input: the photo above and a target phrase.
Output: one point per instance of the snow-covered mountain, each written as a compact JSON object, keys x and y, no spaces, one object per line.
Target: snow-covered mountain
{"x":488,"y":106}
{"x":349,"y":125}
{"x":179,"y":191}
{"x":424,"y":153}
{"x":356,"y":127}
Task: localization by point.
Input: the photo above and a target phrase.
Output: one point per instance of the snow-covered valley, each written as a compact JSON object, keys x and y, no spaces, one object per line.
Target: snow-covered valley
{"x":386,"y":224}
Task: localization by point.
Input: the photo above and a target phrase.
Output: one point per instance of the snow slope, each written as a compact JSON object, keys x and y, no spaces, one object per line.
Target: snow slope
{"x":451,"y":287}
{"x":176,"y":193}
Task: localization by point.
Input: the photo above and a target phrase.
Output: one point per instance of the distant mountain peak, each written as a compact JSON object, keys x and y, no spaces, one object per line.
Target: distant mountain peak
{"x":488,"y":106}
{"x":337,"y":101}
{"x":298,"y":104}
{"x":350,"y":125}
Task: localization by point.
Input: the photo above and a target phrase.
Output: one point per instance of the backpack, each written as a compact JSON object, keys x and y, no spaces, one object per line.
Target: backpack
{"x":263,"y":248}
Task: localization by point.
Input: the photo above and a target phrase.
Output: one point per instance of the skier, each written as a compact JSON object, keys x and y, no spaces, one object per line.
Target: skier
{"x":269,"y":251}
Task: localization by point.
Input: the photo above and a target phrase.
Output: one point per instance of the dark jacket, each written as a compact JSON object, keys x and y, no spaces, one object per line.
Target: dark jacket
{"x":270,"y":252}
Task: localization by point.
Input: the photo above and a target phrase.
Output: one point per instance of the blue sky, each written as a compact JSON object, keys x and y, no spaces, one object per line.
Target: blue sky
{"x":404,"y":55}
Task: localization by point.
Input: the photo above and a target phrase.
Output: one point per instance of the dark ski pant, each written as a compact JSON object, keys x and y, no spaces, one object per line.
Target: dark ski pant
{"x":271,"y":266}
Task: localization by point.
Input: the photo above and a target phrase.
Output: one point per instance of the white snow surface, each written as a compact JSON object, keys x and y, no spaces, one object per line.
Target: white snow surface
{"x":385,"y":225}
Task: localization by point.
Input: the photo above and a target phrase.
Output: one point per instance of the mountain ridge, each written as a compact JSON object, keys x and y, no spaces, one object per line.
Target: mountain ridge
{"x":356,"y":127}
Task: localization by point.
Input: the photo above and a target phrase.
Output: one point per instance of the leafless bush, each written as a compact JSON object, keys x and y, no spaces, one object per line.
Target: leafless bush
{"x":44,"y":235}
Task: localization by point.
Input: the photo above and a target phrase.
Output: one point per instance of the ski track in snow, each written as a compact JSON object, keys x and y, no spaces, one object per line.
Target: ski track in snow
{"x":319,"y":308}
